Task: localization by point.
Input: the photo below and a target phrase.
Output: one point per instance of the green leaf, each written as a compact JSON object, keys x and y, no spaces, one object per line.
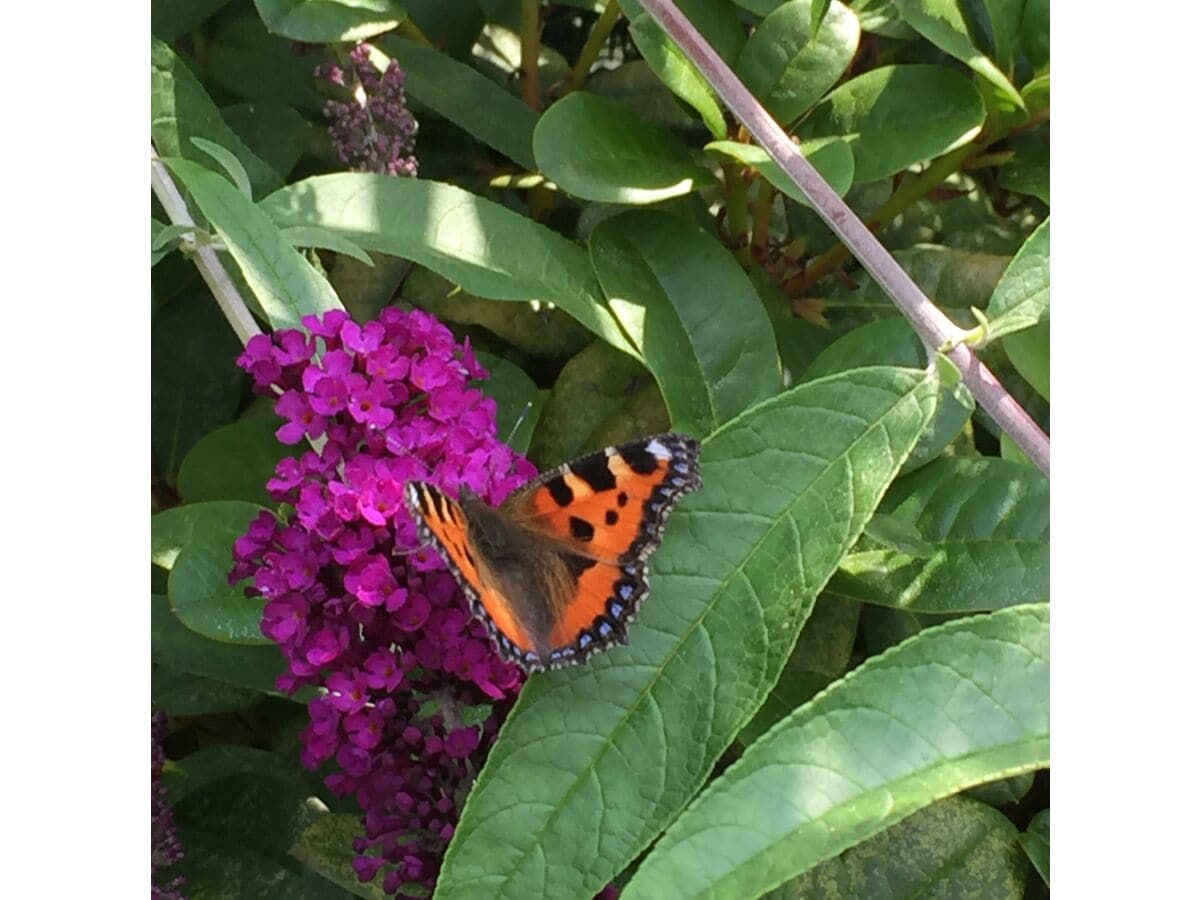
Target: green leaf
{"x":253,"y":64}
{"x":598,"y":149}
{"x":315,"y":236}
{"x":210,"y":765}
{"x":194,"y":385}
{"x":180,"y":111}
{"x":592,"y":762}
{"x":892,"y":341}
{"x":1025,"y":291}
{"x":989,"y":520}
{"x":532,"y":327}
{"x":173,"y":645}
{"x":941,"y":22}
{"x":518,"y":400}
{"x":1036,"y":841}
{"x":1003,"y":791}
{"x":958,"y":704}
{"x":827,"y":639}
{"x":274,"y":131}
{"x":895,"y":116}
{"x":794,"y":688}
{"x":327,"y":847}
{"x":329,"y":21}
{"x":233,"y":462}
{"x":817,"y":15}
{"x":170,"y":19}
{"x":1028,"y":172}
{"x":489,"y":250}
{"x":693,"y":313}
{"x":283,"y":282}
{"x":183,"y":694}
{"x":954,"y":279}
{"x":195,"y":542}
{"x":635,"y":85}
{"x":452,"y":27}
{"x":1035,"y":34}
{"x":831,"y":157}
{"x":954,"y":848}
{"x":788,"y":65}
{"x":228,"y":162}
{"x":717,"y":20}
{"x":594,"y":385}
{"x":472,"y":101}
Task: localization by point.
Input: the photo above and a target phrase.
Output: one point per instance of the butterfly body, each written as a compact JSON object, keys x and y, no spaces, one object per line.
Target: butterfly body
{"x":558,"y":570}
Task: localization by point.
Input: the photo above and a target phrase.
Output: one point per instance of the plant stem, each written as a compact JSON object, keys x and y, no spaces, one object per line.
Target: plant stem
{"x":211,"y":270}
{"x":595,"y":43}
{"x":736,"y":218}
{"x":909,"y":193}
{"x":531,"y":34}
{"x":764,"y":200}
{"x":927,"y":320}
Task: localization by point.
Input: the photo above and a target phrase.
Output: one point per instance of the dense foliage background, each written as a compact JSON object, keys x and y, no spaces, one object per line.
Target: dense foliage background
{"x":839,"y":683}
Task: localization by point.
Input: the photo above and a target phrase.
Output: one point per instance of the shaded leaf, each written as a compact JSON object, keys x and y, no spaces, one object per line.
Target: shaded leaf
{"x":274,"y":131}
{"x":956,"y":705}
{"x":253,"y":64}
{"x":636,"y":86}
{"x":895,"y":116}
{"x":170,"y":19}
{"x":693,"y":313}
{"x":1028,"y":172}
{"x":330,"y":21}
{"x":283,"y":282}
{"x":326,"y":847}
{"x":1003,"y":791}
{"x":1036,"y":841}
{"x":1025,"y":291}
{"x":195,"y":542}
{"x":788,"y":66}
{"x":489,"y":250}
{"x":954,"y":279}
{"x":183,"y":694}
{"x":233,"y":462}
{"x":180,"y":110}
{"x":830,"y":156}
{"x":598,"y":149}
{"x":472,"y":101}
{"x":593,"y":761}
{"x":954,"y":848}
{"x":518,"y":400}
{"x":176,"y":646}
{"x":941,"y":22}
{"x":989,"y":520}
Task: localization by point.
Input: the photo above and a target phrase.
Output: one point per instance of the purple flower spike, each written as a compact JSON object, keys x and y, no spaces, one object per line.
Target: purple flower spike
{"x":360,"y":609}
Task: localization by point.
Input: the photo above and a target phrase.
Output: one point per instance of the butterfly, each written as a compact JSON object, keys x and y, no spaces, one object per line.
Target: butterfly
{"x":558,"y":570}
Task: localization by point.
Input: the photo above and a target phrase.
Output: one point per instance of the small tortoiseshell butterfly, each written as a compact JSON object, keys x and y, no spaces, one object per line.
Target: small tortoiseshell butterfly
{"x":558,"y":570}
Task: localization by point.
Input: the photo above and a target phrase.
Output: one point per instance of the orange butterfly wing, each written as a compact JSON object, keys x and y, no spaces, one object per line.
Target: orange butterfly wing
{"x":606,"y":511}
{"x":440,"y":520}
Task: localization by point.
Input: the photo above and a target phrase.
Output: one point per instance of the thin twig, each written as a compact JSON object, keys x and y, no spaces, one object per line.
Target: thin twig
{"x":211,"y":270}
{"x":531,"y":48}
{"x":927,"y":320}
{"x":595,"y":43}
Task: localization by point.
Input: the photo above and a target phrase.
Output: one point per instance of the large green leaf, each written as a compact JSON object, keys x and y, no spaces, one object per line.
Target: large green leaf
{"x":1024,"y":291}
{"x":958,"y":704}
{"x":489,"y":250}
{"x":594,"y":761}
{"x":195,"y":542}
{"x":893,"y":342}
{"x":954,"y":848}
{"x":286,"y":286}
{"x":941,"y":22}
{"x":176,"y":646}
{"x":831,"y":157}
{"x":330,"y":21}
{"x":472,"y":101}
{"x":787,"y":67}
{"x":599,"y":149}
{"x":233,"y":462}
{"x":717,"y":20}
{"x":692,"y":312}
{"x":181,"y":110}
{"x":989,"y":523}
{"x":895,"y":116}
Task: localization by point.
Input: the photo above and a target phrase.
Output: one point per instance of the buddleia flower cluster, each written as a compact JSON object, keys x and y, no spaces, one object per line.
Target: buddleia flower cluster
{"x":372,"y":130}
{"x":411,"y":690}
{"x":165,"y":849}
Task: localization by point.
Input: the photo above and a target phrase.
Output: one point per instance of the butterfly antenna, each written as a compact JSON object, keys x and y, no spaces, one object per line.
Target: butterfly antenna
{"x":520,"y":420}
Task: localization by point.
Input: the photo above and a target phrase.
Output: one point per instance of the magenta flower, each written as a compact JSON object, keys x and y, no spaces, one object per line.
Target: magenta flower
{"x":165,"y":849}
{"x":359,"y":608}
